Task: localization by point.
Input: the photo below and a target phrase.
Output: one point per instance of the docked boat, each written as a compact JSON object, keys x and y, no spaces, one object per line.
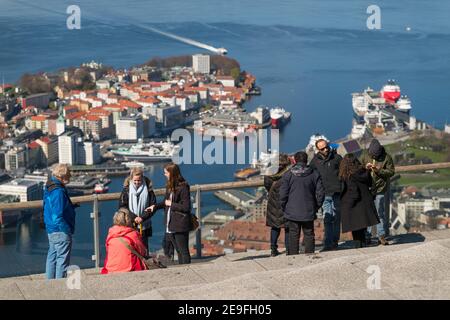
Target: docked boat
{"x":391,"y":91}
{"x":279,"y":117}
{"x":133,"y":164}
{"x":100,"y":188}
{"x":246,"y":173}
{"x":150,"y":152}
{"x":404,"y":104}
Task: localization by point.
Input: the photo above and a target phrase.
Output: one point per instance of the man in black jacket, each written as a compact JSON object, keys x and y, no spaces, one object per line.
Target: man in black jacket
{"x":327,"y":162}
{"x":301,"y":195}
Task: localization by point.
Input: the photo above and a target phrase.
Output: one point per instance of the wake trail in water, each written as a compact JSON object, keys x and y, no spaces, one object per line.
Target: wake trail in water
{"x":138,"y":25}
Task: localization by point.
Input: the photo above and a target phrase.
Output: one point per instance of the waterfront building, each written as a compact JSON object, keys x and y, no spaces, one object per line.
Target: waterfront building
{"x":26,"y":190}
{"x":89,"y":153}
{"x":227,"y":81}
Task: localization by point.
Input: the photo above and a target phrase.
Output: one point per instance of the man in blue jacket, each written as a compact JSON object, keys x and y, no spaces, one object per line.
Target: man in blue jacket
{"x":59,"y":219}
{"x":301,"y":195}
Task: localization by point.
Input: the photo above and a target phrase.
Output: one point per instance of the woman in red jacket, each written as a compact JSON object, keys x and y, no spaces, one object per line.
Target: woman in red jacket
{"x":119,"y":258}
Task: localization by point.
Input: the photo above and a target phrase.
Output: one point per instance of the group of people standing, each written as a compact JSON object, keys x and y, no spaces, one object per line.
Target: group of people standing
{"x":127,"y":240}
{"x":349,"y":190}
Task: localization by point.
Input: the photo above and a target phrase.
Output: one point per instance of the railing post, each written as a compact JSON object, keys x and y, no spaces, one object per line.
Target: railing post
{"x":95,"y":215}
{"x":387,"y":208}
{"x":198,"y":234}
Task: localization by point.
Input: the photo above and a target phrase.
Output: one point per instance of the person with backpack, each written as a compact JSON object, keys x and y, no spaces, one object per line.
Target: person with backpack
{"x":137,"y":196}
{"x":301,"y":195}
{"x":358,"y":208}
{"x":59,"y":222}
{"x":177,"y":212}
{"x":121,"y":243}
{"x":274,"y":214}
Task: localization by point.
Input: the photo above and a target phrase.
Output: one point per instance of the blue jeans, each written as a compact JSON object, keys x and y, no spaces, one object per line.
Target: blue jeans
{"x":382,"y":226}
{"x":332,"y":220}
{"x":275,"y":234}
{"x":58,"y":257}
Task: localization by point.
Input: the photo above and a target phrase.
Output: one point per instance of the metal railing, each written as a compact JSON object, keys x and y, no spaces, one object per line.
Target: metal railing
{"x":257,"y":182}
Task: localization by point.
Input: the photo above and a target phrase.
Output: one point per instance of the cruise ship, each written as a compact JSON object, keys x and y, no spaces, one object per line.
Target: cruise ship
{"x":149,"y":152}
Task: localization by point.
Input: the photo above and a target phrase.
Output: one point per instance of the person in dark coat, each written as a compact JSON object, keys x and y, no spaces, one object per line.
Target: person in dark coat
{"x":301,"y":195}
{"x":274,"y":215}
{"x":137,"y":196}
{"x":357,"y":207}
{"x":177,"y":212}
{"x":327,"y":162}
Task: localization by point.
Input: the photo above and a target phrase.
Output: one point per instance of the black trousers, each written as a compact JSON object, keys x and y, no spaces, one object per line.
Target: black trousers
{"x":146,"y":234}
{"x":295,"y":228}
{"x":168,"y":246}
{"x":360,"y":235}
{"x":180,"y":241}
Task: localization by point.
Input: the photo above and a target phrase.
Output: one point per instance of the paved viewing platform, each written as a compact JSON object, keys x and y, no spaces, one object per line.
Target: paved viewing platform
{"x":414,"y":266}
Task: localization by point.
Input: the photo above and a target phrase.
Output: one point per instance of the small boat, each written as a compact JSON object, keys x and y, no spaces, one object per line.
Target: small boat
{"x":100,"y":188}
{"x":246,"y":173}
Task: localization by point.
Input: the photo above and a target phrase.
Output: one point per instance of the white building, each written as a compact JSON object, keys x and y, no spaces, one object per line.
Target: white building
{"x":89,"y":153}
{"x":411,"y":209}
{"x":447,"y":128}
{"x":16,"y":158}
{"x":227,"y":81}
{"x":201,"y":63}
{"x":50,"y":149}
{"x":130,"y":128}
{"x":68,"y":148}
{"x":27,"y":190}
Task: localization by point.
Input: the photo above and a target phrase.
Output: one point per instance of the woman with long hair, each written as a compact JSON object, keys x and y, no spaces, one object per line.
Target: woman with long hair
{"x":274,"y":214}
{"x":357,"y":207}
{"x":177,"y":209}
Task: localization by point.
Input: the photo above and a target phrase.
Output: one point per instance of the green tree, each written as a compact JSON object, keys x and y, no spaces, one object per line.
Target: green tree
{"x":235,"y":73}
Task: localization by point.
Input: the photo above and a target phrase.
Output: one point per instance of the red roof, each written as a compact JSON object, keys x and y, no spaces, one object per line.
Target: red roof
{"x":92,"y":118}
{"x":149,"y":100}
{"x":129,"y":104}
{"x":70,"y":107}
{"x":99,"y":112}
{"x":38,"y":118}
{"x":113,"y":106}
{"x":75,"y":115}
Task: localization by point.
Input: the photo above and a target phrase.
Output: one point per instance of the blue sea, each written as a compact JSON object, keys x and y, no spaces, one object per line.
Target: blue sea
{"x":308,"y":56}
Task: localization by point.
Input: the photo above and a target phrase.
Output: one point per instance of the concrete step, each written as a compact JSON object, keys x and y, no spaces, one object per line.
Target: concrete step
{"x":416,"y":266}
